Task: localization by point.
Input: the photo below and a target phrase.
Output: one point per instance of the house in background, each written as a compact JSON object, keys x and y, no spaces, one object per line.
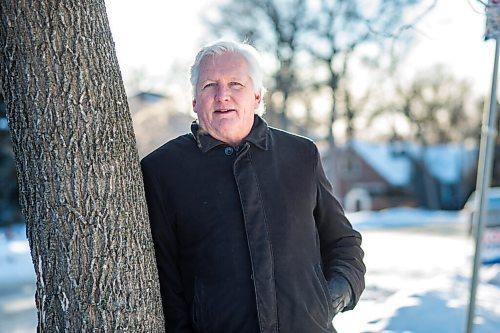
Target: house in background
{"x":144,"y":99}
{"x":374,"y":176}
{"x":156,"y":119}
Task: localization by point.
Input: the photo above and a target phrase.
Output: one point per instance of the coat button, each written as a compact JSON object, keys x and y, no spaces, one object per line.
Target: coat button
{"x":229,"y":151}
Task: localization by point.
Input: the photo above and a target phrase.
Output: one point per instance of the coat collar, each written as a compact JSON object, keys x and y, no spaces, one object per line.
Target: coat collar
{"x":258,"y":136}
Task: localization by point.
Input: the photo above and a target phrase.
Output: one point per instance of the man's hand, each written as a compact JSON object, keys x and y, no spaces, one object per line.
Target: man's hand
{"x":340,"y":293}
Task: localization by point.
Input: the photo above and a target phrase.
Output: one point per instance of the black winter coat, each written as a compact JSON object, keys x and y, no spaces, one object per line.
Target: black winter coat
{"x":246,"y":238}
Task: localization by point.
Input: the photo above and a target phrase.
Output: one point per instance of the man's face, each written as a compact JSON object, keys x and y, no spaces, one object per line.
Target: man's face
{"x":225,"y":100}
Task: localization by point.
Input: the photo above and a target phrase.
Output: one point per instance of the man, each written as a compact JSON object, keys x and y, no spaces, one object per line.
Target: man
{"x":248,"y":236}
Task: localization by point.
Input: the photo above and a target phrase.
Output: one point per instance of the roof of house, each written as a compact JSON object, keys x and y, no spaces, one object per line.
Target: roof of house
{"x":392,"y":161}
{"x":395,"y":169}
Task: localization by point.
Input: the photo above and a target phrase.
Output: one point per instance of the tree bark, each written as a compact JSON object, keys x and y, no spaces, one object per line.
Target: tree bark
{"x":78,"y":169}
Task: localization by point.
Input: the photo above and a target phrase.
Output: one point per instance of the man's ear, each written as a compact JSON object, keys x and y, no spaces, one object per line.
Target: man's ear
{"x":258,"y":99}
{"x":194,"y":105}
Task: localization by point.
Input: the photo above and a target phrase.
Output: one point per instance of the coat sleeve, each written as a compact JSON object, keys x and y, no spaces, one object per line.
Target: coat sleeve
{"x":341,"y":251}
{"x":162,"y":221}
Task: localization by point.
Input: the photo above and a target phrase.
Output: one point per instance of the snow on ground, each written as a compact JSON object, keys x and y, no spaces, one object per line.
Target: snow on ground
{"x":420,"y":283}
{"x":419,"y":265}
{"x":405,"y":217}
{"x":17,"y":283}
{"x":15,"y":261}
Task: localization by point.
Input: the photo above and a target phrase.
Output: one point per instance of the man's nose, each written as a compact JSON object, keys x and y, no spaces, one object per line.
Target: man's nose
{"x":222,"y":93}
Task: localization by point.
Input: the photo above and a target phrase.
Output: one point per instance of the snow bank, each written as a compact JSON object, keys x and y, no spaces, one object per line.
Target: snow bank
{"x":16,"y":267}
{"x":404,"y":217}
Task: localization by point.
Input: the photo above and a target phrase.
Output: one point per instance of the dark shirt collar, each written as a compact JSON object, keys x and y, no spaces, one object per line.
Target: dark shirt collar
{"x":258,"y":136}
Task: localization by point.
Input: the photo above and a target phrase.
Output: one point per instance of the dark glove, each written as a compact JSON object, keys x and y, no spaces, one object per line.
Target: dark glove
{"x":340,"y":293}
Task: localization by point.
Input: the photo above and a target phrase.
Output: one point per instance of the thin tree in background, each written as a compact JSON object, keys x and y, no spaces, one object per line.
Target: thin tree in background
{"x":276,"y":28}
{"x":10,"y":212}
{"x":78,"y":169}
{"x":341,"y":27}
{"x":436,"y":107}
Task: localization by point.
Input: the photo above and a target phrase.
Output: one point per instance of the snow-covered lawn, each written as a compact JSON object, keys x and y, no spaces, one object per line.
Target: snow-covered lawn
{"x":418,"y":277}
{"x":419,"y":282}
{"x":15,"y":260}
{"x":17,"y":283}
{"x":419,"y":266}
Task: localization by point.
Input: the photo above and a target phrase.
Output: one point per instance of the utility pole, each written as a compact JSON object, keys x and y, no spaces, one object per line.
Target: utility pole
{"x":486,"y":154}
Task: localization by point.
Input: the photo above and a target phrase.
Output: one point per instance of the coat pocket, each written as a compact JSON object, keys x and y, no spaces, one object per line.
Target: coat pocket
{"x":199,"y":314}
{"x":327,"y":299}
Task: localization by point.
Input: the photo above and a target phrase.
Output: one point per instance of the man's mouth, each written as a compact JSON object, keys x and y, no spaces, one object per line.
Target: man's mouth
{"x":224,"y":110}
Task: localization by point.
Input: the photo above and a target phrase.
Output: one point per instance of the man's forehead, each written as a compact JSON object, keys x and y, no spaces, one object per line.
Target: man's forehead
{"x":228,"y":60}
{"x":215,"y":66}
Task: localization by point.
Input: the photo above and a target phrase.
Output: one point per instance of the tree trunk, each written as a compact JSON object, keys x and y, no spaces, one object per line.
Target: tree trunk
{"x":80,"y":183}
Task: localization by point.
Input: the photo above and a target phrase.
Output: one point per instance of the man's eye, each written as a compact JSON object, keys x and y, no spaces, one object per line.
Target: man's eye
{"x":208,"y":85}
{"x":236,"y":84}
